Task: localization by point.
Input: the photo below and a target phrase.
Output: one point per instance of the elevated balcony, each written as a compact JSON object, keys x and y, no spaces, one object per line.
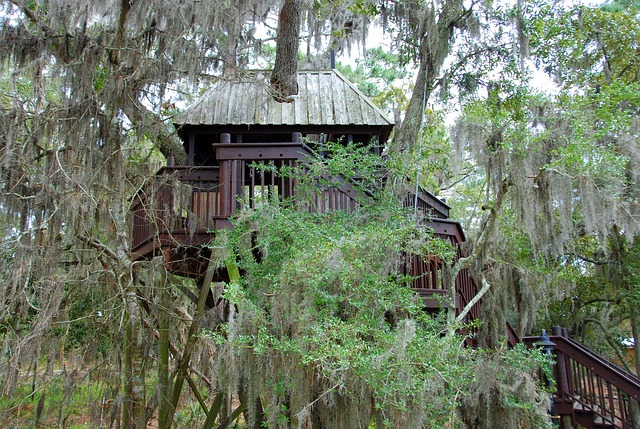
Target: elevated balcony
{"x":180,"y":210}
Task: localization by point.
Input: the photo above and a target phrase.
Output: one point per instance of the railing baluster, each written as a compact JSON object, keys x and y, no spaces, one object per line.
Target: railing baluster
{"x":611,"y":403}
{"x":601,"y":400}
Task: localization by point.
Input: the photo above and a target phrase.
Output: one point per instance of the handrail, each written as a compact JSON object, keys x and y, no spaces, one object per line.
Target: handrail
{"x":428,"y":274}
{"x":161,"y":208}
{"x":584,"y":377}
{"x":428,"y":204}
{"x":165,"y":207}
{"x":618,"y":378}
{"x":237,"y":170}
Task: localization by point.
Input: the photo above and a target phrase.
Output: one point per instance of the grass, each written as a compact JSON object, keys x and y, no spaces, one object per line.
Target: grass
{"x":75,"y":401}
{"x":64,"y":400}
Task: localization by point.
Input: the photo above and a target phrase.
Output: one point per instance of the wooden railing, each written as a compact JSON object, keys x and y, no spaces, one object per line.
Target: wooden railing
{"x":252,"y":172}
{"x":430,"y":206}
{"x":428,"y":272}
{"x":466,"y":288}
{"x":179,"y":200}
{"x":184,"y":205}
{"x":593,"y":391}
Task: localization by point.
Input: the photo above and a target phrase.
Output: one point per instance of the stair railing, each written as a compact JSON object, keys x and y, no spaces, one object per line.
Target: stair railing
{"x":587,"y":383}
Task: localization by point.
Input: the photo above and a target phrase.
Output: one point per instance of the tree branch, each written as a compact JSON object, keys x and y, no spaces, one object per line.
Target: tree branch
{"x":486,"y":226}
{"x":178,"y":354}
{"x":612,"y":344}
{"x":98,"y":246}
{"x":485,"y":288}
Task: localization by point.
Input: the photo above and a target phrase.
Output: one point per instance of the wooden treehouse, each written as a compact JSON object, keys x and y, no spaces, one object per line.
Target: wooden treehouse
{"x":237,"y":124}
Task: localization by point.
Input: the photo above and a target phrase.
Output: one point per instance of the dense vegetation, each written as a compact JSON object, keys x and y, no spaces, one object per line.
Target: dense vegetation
{"x":544,"y":179}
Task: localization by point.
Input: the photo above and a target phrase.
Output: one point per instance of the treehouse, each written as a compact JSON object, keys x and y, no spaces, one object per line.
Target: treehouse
{"x":237,"y":124}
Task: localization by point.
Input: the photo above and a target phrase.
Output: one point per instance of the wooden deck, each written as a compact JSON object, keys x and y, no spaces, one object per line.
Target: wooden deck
{"x":181,"y":209}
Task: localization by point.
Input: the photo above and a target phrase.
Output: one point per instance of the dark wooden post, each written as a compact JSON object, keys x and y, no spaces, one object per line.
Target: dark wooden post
{"x":171,"y":161}
{"x":562,"y":383}
{"x":225,"y":180}
{"x":562,"y":380}
{"x":192,"y":150}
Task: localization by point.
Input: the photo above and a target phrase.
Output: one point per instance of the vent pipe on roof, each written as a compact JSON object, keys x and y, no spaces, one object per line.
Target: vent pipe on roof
{"x":333,"y":59}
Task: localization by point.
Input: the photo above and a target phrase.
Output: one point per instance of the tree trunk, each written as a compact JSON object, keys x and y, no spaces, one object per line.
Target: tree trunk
{"x":635,"y":329}
{"x":133,"y":409}
{"x":163,"y":360}
{"x":284,"y":76}
{"x":432,"y":56}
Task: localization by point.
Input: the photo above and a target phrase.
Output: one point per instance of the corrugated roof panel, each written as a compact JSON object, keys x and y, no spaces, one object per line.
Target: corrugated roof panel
{"x":261,"y":108}
{"x":313,"y":87}
{"x":286,"y":112}
{"x":302,"y":106}
{"x":366,"y":113}
{"x":217,"y":105}
{"x":354,"y":110}
{"x":237,"y":95}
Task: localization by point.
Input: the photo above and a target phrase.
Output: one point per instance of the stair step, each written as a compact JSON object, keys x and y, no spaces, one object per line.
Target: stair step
{"x":589,"y":418}
{"x":601,"y":423}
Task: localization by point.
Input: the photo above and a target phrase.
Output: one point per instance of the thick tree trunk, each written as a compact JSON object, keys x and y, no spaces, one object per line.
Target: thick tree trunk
{"x":284,"y":76}
{"x":163,"y":360}
{"x":432,"y":56}
{"x":133,"y":410}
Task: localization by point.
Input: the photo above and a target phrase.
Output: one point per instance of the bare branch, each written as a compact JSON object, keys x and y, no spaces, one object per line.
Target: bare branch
{"x":485,"y":288}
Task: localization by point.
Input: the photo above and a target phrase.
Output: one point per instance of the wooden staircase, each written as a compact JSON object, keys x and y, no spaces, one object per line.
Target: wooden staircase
{"x":590,"y":391}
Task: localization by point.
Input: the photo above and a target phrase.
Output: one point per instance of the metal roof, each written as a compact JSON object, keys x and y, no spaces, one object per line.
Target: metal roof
{"x":324,"y":98}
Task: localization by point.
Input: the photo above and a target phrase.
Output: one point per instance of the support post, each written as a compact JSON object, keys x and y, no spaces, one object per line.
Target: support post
{"x":164,"y":390}
{"x":181,"y":371}
{"x":192,"y":150}
{"x":562,"y":382}
{"x":225,"y":180}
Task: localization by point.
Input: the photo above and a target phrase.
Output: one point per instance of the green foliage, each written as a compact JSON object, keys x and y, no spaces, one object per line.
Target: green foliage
{"x":508,"y":392}
{"x":586,"y":45}
{"x":621,"y":6}
{"x":324,"y":293}
{"x":355,"y":163}
{"x":324,"y":323}
{"x":381,"y":77}
{"x":67,"y":399}
{"x":428,"y":164}
{"x":568,"y":159}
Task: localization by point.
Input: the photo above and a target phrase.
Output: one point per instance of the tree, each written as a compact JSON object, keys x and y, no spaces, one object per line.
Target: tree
{"x":608,"y":76}
{"x":325,"y":331}
{"x":84,"y":91}
{"x":567,"y":160}
{"x":83,"y":86}
{"x":285,"y":69}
